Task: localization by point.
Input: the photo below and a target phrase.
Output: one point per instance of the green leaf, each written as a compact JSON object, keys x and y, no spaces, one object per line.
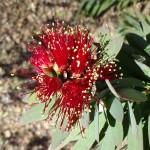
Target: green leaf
{"x":145,"y":135}
{"x":112,"y":89}
{"x":146,"y":27}
{"x":107,"y":143}
{"x":73,"y":135}
{"x":149,"y":129}
{"x":133,"y":69}
{"x":117,"y":133}
{"x":113,"y":48}
{"x":96,"y":122}
{"x":104,"y":35}
{"x":132,"y":141}
{"x":85,"y":119}
{"x":137,"y":42}
{"x":129,"y":81}
{"x":82,"y":5}
{"x":147,"y":50}
{"x":35,"y":113}
{"x":87,"y":142}
{"x":95,"y":9}
{"x":103,"y":93}
{"x":136,"y":143}
{"x":104,"y":5}
{"x":33,"y":98}
{"x":89,"y":6}
{"x":58,"y":137}
{"x":30,"y":98}
{"x":115,"y":108}
{"x":144,"y":68}
{"x":130,"y":94}
{"x":133,"y":122}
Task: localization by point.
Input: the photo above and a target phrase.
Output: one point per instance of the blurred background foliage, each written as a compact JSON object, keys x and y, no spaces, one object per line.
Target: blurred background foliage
{"x":95,"y":8}
{"x":21,"y":19}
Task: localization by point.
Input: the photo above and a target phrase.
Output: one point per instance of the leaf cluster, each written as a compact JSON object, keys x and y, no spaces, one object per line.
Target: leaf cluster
{"x":95,"y":8}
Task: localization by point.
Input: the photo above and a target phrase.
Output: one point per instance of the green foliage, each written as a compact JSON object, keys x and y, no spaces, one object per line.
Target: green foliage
{"x":130,"y":23}
{"x":97,"y":7}
{"x":135,"y":133}
{"x":35,"y":113}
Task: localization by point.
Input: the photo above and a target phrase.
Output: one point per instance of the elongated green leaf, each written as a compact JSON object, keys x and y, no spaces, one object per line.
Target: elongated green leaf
{"x":131,"y":94}
{"x":144,"y":68}
{"x":113,"y":48}
{"x":138,"y":42}
{"x":58,"y":137}
{"x":145,"y":135}
{"x":104,"y":5}
{"x":145,"y":27}
{"x":30,"y":98}
{"x":103,"y":93}
{"x":149,"y":129}
{"x":133,"y":122}
{"x":89,"y":6}
{"x":115,"y":108}
{"x":104,"y":35}
{"x":147,"y":50}
{"x":87,"y":142}
{"x":133,"y":69}
{"x":107,"y":143}
{"x":85,"y":119}
{"x":82,"y":6}
{"x":112,"y":89}
{"x":35,"y":113}
{"x":132,"y":144}
{"x":135,"y":143}
{"x":117,"y":133}
{"x":96,"y":122}
{"x":73,"y":135}
{"x":129,"y":81}
{"x":95,"y":9}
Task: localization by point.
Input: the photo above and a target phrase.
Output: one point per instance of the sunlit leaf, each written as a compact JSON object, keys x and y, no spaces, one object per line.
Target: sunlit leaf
{"x":115,"y":108}
{"x":144,"y":68}
{"x":30,"y":98}
{"x":104,"y":34}
{"x":85,"y":119}
{"x":87,"y":142}
{"x":107,"y":143}
{"x":35,"y":113}
{"x":113,"y":48}
{"x":58,"y":137}
{"x":136,"y":143}
{"x":145,"y":27}
{"x":96,"y":122}
{"x":117,"y":133}
{"x":133,"y":122}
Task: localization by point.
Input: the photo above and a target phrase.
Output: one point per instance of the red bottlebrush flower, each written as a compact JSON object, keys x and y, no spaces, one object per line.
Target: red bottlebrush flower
{"x":108,"y":71}
{"x":66,"y":67}
{"x":41,"y":59}
{"x":60,"y":43}
{"x":73,"y":100}
{"x":46,"y":88}
{"x":81,"y":55}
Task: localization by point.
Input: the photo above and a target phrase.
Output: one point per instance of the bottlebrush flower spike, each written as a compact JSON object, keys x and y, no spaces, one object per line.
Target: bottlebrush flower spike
{"x":67,"y":67}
